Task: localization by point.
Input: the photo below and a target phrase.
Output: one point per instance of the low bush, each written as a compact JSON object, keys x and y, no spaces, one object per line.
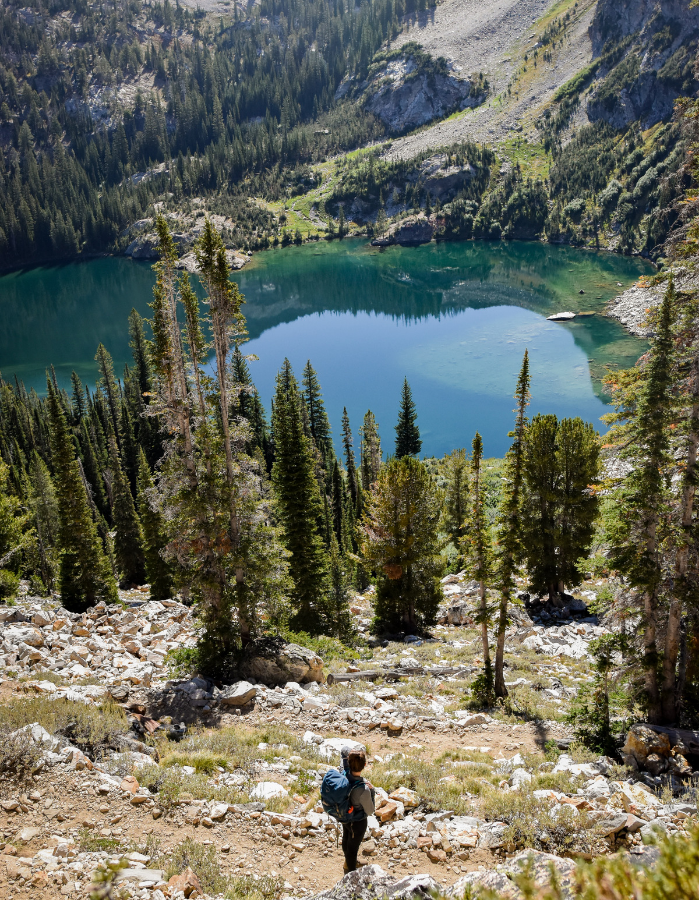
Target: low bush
{"x":89,"y":842}
{"x":537,"y":824}
{"x":204,"y":862}
{"x":173,"y":786}
{"x":203,"y":763}
{"x":86,"y":726}
{"x":438,"y":787}
{"x":673,"y":875}
{"x":19,"y":757}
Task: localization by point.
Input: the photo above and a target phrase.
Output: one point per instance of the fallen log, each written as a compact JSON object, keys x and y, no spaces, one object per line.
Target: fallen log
{"x":394,"y":674}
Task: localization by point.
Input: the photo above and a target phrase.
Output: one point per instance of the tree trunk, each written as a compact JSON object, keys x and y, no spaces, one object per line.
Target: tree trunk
{"x":484,"y":627}
{"x":670,"y":700}
{"x":669,"y":705}
{"x":499,"y":684}
{"x":650,"y":659}
{"x":243,"y":622}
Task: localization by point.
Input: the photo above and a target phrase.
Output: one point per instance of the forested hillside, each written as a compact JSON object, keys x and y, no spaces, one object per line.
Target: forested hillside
{"x":104,"y":109}
{"x":107,"y":111}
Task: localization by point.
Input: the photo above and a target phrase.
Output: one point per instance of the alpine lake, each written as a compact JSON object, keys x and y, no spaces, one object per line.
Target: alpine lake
{"x":455,"y":319}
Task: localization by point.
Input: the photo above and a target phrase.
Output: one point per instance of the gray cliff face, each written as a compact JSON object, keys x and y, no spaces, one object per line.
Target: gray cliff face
{"x":657,"y":65}
{"x":405,"y":97}
{"x":618,"y":19}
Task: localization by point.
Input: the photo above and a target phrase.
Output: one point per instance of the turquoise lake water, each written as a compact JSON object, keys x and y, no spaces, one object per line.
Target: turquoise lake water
{"x":454,"y":319}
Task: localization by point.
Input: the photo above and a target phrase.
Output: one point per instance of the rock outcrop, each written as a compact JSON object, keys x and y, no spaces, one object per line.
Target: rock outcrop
{"x":411,"y":231}
{"x":658,"y":750}
{"x":273,"y":661}
{"x":633,"y":306}
{"x":373,"y":883}
{"x":662,"y":40}
{"x":405,"y":94}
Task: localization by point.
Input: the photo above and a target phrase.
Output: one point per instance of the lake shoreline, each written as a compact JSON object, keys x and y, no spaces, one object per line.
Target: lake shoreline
{"x":51,"y":262}
{"x":453,"y":317}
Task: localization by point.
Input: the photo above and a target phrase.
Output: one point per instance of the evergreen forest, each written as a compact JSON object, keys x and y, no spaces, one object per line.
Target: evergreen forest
{"x":111,"y":113}
{"x":171,"y":474}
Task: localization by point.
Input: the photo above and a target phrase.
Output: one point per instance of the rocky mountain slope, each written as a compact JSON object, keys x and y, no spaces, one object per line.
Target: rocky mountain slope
{"x":191,"y":787}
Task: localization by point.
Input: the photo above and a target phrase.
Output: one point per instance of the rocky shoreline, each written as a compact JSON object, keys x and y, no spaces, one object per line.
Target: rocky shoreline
{"x":632,"y":307}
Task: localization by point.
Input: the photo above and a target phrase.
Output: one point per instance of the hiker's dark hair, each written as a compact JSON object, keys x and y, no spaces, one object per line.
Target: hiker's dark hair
{"x":357,"y":760}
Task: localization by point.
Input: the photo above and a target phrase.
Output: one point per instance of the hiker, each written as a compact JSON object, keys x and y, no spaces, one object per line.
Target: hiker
{"x":361,"y":805}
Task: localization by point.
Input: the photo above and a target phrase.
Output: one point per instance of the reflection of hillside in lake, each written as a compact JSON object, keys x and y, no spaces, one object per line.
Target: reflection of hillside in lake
{"x":454,"y":318}
{"x":425,"y":281}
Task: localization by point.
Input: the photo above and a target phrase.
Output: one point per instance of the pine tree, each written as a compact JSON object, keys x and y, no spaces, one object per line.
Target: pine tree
{"x":299,"y":507}
{"x":128,"y":540}
{"x":261,"y":435}
{"x":509,"y":522}
{"x":242,"y":403}
{"x":350,"y":469}
{"x":129,"y":446}
{"x":318,"y":420}
{"x":408,"y":442}
{"x":338,"y":593}
{"x":158,"y":571}
{"x":638,"y":525}
{"x":478,"y":554}
{"x":338,"y":507}
{"x":139,"y":351}
{"x":85,"y":577}
{"x":559,"y":506}
{"x":370,"y":451}
{"x":92,"y":466}
{"x":45,"y":517}
{"x":14,"y":524}
{"x":400,"y":544}
{"x":78,"y":399}
{"x":208,"y":490}
{"x":109,"y":385}
{"x":456,"y":498}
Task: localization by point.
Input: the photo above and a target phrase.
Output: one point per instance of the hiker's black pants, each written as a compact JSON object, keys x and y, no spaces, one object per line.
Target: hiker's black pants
{"x":353,"y":833}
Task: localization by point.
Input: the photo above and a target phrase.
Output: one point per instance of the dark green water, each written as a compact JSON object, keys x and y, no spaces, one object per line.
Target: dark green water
{"x":454,"y":318}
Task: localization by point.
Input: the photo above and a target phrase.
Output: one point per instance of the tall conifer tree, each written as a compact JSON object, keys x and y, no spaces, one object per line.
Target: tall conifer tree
{"x":78,"y":398}
{"x":338,"y":592}
{"x":350,"y":468}
{"x":509,"y":523}
{"x":158,"y":571}
{"x":456,"y":497}
{"x":408,"y":442}
{"x":478,"y":553}
{"x":559,"y":506}
{"x":109,"y":385}
{"x":400,"y":544}
{"x":128,"y":540}
{"x":299,"y":506}
{"x":370,"y":450}
{"x":139,"y":351}
{"x":85,"y":577}
{"x":316,"y":412}
{"x":638,"y":526}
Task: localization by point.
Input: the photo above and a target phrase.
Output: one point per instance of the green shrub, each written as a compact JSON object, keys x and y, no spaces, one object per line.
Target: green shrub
{"x":573,"y":87}
{"x":86,"y":726}
{"x":537,"y":824}
{"x":19,"y":757}
{"x":204,"y":862}
{"x":203,"y":763}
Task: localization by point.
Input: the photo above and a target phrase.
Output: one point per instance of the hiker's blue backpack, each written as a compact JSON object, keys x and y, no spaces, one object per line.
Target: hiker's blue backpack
{"x":336,"y":788}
